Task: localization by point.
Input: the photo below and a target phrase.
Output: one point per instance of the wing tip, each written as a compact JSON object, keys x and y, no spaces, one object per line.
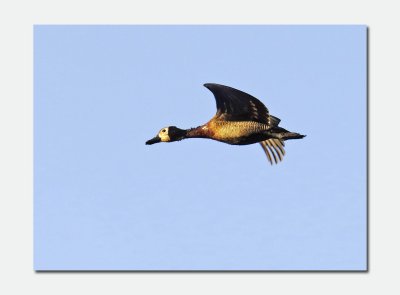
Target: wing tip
{"x":274,"y":150}
{"x":215,"y":87}
{"x":210,"y":85}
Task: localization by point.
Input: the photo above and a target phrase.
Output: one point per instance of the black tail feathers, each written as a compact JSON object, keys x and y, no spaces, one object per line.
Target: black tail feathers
{"x":283,"y":134}
{"x":292,"y":135}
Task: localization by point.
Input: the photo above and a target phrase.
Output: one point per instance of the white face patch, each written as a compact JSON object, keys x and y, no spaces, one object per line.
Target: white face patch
{"x":163,"y":134}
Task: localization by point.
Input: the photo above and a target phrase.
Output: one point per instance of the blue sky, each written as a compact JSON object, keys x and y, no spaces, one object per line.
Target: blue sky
{"x":106,"y":201}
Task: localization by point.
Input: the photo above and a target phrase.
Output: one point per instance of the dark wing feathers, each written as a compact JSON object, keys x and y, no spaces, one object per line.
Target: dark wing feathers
{"x":236,"y":105}
{"x":264,"y":146}
{"x":273,"y":147}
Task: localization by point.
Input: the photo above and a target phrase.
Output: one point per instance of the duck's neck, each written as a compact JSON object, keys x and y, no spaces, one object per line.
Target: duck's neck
{"x":198,"y":132}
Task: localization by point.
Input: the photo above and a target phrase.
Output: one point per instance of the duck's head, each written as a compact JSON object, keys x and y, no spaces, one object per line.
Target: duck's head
{"x":168,"y":134}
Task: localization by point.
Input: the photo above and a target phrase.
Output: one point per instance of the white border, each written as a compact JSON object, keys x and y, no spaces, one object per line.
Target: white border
{"x":16,"y":184}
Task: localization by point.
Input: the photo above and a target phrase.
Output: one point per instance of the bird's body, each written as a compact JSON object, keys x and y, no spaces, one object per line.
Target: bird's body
{"x":241,"y":119}
{"x":231,"y":132}
{"x":238,"y":132}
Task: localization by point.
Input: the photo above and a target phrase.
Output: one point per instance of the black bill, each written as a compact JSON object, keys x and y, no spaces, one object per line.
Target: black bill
{"x":154,"y":140}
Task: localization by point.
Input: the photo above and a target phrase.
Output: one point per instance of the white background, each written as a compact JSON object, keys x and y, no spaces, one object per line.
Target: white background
{"x":16,"y":141}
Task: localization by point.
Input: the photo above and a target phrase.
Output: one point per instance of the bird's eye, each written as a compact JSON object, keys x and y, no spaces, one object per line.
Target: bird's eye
{"x":163,"y":130}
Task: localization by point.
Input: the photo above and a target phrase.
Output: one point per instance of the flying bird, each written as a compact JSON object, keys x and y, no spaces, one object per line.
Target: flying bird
{"x":241,"y":119}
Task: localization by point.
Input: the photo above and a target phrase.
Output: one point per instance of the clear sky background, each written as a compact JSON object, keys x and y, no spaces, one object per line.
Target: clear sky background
{"x":106,"y":201}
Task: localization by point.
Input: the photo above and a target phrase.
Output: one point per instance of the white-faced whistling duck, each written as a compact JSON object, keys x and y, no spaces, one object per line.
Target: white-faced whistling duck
{"x":240,"y":119}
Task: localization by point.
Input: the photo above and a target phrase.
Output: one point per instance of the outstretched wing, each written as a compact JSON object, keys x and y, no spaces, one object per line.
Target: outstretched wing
{"x":273,"y":147}
{"x":236,"y":105}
